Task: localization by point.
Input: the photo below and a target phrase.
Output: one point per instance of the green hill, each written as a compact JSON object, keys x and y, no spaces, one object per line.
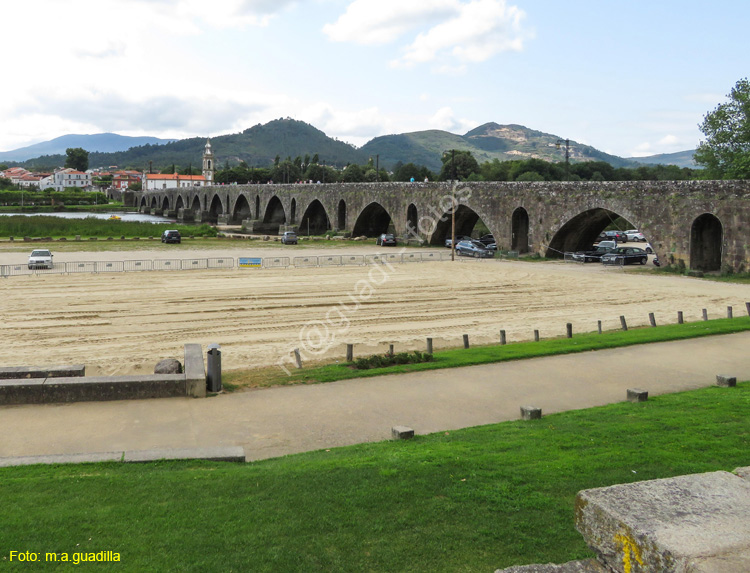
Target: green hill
{"x":259,"y":145}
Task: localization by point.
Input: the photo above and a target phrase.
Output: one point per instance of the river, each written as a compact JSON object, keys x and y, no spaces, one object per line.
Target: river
{"x":138,"y":217}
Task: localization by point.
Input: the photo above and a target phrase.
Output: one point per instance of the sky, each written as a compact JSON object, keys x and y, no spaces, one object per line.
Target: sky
{"x":629,"y":78}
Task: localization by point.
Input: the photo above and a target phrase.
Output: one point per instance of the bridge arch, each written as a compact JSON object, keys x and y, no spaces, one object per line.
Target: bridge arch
{"x":580,"y":232}
{"x":373,"y":221}
{"x":215,"y":209}
{"x":519,"y":231}
{"x":165,"y":204}
{"x":706,"y":239}
{"x":274,"y":216}
{"x":153,"y":203}
{"x":466,"y":220}
{"x":196,"y":206}
{"x":293,"y":212}
{"x":241,"y":209}
{"x":315,"y":220}
{"x":412,"y":221}
{"x":180,"y":204}
{"x":341,"y":215}
{"x":257,"y":206}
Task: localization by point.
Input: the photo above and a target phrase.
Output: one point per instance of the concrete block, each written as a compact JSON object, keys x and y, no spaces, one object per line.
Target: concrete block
{"x":61,"y":459}
{"x":585,"y":566}
{"x":195,"y":371}
{"x":25,"y":391}
{"x":213,"y":454}
{"x":726,"y":381}
{"x":99,"y":388}
{"x":16,"y":372}
{"x":531,"y":413}
{"x":637,"y":395}
{"x":401,"y":433}
{"x":695,"y":523}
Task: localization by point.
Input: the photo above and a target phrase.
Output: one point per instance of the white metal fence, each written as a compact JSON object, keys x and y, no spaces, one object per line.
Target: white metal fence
{"x":95,"y":267}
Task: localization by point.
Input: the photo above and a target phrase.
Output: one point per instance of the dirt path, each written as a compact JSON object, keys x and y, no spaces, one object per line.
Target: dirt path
{"x":125,"y":322}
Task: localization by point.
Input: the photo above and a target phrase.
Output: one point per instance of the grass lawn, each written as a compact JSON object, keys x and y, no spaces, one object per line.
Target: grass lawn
{"x":468,"y":500}
{"x":275,"y":375}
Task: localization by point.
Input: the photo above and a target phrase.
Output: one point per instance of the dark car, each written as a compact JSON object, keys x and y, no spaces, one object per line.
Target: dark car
{"x":171,"y":237}
{"x":618,"y":236}
{"x":459,"y":238}
{"x":289,"y":238}
{"x":487,"y":240}
{"x":625,"y":256}
{"x":386,"y":240}
{"x":594,"y":254}
{"x":474,"y":249}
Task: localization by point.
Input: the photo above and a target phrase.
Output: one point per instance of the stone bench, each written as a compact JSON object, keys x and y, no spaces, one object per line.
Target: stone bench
{"x":29,"y":387}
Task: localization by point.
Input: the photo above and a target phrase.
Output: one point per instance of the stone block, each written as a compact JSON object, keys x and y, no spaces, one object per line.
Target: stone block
{"x":637,"y":395}
{"x":168,"y":366}
{"x":744,"y":473}
{"x":213,"y":454}
{"x":16,"y":372}
{"x":24,"y":391}
{"x":401,"y":433}
{"x":195,"y":371}
{"x":100,"y":388}
{"x":584,"y":566}
{"x":726,"y":381}
{"x":695,"y":523}
{"x":531,"y":413}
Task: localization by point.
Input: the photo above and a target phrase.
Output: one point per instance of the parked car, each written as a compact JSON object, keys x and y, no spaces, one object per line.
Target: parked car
{"x":474,"y":249}
{"x":40,"y":259}
{"x":487,"y":240}
{"x":635,"y":236}
{"x":289,"y":238}
{"x":171,"y":236}
{"x":625,"y":256}
{"x":594,"y":254}
{"x":647,"y":247}
{"x":459,"y":238}
{"x":386,"y":240}
{"x":618,"y":236}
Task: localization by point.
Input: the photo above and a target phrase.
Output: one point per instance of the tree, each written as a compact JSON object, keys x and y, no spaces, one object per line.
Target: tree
{"x":726,"y":151}
{"x":77,"y":158}
{"x":460,"y":162}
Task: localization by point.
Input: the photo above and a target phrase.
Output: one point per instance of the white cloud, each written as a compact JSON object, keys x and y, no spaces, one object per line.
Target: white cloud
{"x":482,"y":29}
{"x":371,"y":22}
{"x":446,"y":120}
{"x":463,"y":31}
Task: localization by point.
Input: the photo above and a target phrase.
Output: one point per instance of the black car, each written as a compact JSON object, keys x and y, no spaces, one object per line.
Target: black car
{"x":618,"y":236}
{"x":474,"y":249}
{"x":487,"y":240}
{"x":171,"y":237}
{"x":594,"y":254}
{"x":625,"y":256}
{"x":386,"y":240}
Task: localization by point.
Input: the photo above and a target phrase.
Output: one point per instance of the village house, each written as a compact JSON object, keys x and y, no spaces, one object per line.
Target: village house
{"x":154,"y":181}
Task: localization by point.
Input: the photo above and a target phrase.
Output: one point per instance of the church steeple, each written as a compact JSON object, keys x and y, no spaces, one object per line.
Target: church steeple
{"x":208,"y":163}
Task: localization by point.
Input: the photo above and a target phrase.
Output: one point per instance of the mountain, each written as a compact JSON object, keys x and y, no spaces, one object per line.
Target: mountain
{"x":681,"y":159}
{"x":259,"y":145}
{"x":102,"y":142}
{"x":486,"y":142}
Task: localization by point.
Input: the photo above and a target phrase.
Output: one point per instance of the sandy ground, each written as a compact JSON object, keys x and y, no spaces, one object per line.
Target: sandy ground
{"x":125,"y":322}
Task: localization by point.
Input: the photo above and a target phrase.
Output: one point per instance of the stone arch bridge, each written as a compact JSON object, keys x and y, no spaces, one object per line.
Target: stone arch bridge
{"x":705,"y":224}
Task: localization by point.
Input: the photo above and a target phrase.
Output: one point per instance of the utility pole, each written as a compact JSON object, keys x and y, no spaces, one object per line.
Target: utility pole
{"x":567,"y":155}
{"x":453,"y":205}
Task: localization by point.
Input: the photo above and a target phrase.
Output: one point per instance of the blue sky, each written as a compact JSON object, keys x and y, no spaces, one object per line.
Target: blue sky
{"x":630,"y":78}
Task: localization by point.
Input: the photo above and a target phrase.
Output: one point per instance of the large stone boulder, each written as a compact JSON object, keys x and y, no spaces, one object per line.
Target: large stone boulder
{"x":168,"y":366}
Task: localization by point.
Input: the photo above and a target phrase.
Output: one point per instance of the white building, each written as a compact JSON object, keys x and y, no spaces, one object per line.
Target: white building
{"x":156,"y":182}
{"x":67,"y":178}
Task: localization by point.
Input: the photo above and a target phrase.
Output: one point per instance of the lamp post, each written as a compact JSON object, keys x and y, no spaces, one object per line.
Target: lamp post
{"x":559,"y":142}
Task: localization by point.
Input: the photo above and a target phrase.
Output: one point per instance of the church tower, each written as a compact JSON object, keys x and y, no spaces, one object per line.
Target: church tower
{"x":208,"y":163}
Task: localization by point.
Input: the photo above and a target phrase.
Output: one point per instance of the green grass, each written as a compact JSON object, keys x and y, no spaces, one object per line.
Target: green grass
{"x":56,"y":227}
{"x":272,"y":376}
{"x":468,"y":500}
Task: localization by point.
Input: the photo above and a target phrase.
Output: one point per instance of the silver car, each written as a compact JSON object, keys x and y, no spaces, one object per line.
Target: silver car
{"x":40,"y":259}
